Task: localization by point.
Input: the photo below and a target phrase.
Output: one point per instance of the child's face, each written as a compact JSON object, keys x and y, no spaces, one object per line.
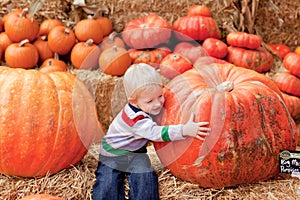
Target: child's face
{"x":150,"y":100}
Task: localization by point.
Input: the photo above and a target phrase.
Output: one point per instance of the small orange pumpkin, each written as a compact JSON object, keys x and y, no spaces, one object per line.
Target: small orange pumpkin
{"x":85,"y":55}
{"x":88,"y":29}
{"x":297,"y":50}
{"x":105,"y":23}
{"x":215,"y":47}
{"x":287,"y":83}
{"x":112,"y":40}
{"x":293,"y":105}
{"x":292,"y":63}
{"x":151,"y":57}
{"x":243,"y":39}
{"x":21,"y":55}
{"x":47,"y":25}
{"x":54,"y":62}
{"x":115,"y":61}
{"x":174,"y":64}
{"x":20,"y":26}
{"x":4,"y":42}
{"x":279,"y":49}
{"x":42,"y":46}
{"x":61,"y":40}
{"x":190,"y":50}
{"x":199,"y":10}
{"x":260,"y":59}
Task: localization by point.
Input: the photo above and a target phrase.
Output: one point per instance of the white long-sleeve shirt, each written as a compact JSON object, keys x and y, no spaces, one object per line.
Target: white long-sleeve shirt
{"x":132,"y":129}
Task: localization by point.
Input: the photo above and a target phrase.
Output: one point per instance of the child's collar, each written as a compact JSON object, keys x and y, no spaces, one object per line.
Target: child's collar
{"x":135,"y":109}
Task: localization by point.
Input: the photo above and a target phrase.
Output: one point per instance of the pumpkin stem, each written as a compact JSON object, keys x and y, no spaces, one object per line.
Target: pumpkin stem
{"x":144,"y":26}
{"x":89,"y":42}
{"x":56,"y":56}
{"x":226,"y":86}
{"x":99,"y":12}
{"x":49,"y":63}
{"x":66,"y":31}
{"x":112,"y":36}
{"x":23,"y":42}
{"x":44,"y":37}
{"x":115,"y":48}
{"x":24,"y":12}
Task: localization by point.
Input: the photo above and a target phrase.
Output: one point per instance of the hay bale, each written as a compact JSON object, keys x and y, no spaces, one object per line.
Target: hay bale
{"x":77,"y":183}
{"x":107,"y":90}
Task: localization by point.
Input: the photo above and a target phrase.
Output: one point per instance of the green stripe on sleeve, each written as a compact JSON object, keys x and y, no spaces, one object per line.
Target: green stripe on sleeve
{"x":112,"y":150}
{"x":165,"y":134}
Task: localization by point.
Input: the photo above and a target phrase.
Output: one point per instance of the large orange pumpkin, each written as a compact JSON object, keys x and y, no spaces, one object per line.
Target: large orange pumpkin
{"x":41,"y":197}
{"x":249,"y":126}
{"x":47,"y":121}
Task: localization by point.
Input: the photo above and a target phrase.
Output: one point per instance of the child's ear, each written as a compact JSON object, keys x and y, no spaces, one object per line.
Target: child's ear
{"x":132,"y":101}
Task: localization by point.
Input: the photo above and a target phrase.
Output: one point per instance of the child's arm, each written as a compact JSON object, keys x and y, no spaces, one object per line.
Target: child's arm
{"x":148,"y":129}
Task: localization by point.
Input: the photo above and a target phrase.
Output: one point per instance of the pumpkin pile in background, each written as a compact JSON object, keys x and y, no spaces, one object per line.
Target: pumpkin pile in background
{"x":191,"y":42}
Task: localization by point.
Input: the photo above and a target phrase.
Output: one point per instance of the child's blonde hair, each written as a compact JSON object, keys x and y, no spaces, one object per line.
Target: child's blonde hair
{"x":138,"y":76}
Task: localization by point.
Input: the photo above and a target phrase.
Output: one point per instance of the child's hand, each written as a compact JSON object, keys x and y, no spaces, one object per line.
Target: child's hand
{"x":195,"y":129}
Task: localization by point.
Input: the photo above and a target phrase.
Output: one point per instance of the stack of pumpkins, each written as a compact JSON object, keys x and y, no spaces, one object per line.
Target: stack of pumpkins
{"x":288,"y":81}
{"x":26,"y":44}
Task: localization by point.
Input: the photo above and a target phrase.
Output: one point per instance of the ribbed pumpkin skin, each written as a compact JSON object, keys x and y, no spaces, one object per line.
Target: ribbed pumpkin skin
{"x":259,"y":60}
{"x":250,"y":125}
{"x":41,"y":197}
{"x":47,"y":122}
{"x":189,"y":28}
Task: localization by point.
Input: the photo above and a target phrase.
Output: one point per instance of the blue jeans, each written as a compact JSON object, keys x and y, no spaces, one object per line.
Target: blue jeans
{"x":112,"y":171}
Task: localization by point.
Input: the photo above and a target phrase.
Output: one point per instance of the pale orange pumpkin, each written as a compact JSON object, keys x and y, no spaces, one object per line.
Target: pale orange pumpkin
{"x":115,"y":61}
{"x":113,"y":39}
